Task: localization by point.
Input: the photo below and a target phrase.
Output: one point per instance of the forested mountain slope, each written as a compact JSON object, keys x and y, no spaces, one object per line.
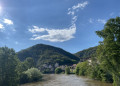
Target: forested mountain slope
{"x":48,"y":56}
{"x":87,"y":53}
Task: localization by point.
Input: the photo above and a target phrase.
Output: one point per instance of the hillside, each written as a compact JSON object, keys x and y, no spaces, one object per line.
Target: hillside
{"x":87,"y":53}
{"x":47,"y":57}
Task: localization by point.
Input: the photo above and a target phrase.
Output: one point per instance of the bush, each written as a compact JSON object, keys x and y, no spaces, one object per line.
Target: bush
{"x":67,"y":70}
{"x":82,"y":68}
{"x":30,"y":75}
{"x":58,"y":70}
{"x":24,"y":78}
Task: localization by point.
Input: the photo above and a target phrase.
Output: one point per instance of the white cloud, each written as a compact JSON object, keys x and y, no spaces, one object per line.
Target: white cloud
{"x":58,"y":35}
{"x":55,"y":35}
{"x":74,"y":19}
{"x":71,"y":11}
{"x":103,"y":21}
{"x":80,"y":5}
{"x":37,"y":29}
{"x":7,"y":21}
{"x":1,"y":26}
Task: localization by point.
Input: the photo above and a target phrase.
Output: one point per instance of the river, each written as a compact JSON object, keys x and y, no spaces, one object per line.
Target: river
{"x":66,"y":80}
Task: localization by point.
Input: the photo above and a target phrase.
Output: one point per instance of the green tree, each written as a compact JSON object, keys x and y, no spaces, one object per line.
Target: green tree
{"x":109,"y":49}
{"x":67,"y":70}
{"x":27,"y":64}
{"x":82,"y":68}
{"x":8,"y":64}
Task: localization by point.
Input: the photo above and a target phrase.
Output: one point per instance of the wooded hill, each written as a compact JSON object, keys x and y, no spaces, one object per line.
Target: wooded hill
{"x":86,"y":53}
{"x":46,"y":56}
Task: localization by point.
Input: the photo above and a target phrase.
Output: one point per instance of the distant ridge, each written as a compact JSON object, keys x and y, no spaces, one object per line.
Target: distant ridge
{"x":48,"y":55}
{"x":86,"y":53}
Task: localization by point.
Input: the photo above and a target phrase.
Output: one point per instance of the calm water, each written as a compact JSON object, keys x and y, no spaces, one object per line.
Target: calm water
{"x":67,"y":80}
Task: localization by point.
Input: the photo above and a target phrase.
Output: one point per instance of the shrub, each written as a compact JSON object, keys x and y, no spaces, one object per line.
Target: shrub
{"x":58,"y":70}
{"x":30,"y":75}
{"x":67,"y":70}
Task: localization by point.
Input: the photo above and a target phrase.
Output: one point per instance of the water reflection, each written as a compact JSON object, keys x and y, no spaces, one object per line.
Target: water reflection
{"x":67,"y":80}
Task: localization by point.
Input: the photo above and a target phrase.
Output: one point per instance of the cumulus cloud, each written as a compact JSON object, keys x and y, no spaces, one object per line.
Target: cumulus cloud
{"x":55,"y":35}
{"x":58,"y":35}
{"x":7,"y":21}
{"x":36,"y":29}
{"x":103,"y":21}
{"x":71,"y":11}
{"x":4,"y":23}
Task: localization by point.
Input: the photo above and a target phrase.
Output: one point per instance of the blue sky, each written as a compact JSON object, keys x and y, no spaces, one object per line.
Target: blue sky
{"x":68,"y":24}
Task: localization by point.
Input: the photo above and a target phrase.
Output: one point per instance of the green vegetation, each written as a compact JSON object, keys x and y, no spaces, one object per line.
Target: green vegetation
{"x":86,"y":54}
{"x":46,"y":56}
{"x":67,"y":70}
{"x":8,"y":64}
{"x":82,"y":68}
{"x":27,"y":64}
{"x":31,"y":75}
{"x":109,"y":49}
{"x":105,"y":63}
{"x":94,"y":71}
{"x":58,"y":70}
{"x":13,"y":72}
{"x":100,"y":63}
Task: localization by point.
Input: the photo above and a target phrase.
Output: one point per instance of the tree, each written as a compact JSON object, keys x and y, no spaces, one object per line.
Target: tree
{"x":109,"y":49}
{"x":8,"y":64}
{"x":67,"y":70}
{"x":82,"y":68}
{"x":27,"y":64}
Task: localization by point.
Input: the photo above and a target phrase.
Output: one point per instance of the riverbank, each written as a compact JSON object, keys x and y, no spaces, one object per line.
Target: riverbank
{"x":66,"y":80}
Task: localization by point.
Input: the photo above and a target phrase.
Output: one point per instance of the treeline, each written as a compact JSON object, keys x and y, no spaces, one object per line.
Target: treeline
{"x":14,"y":72}
{"x":105,"y":66}
{"x":94,"y":71}
{"x":67,"y":70}
{"x":86,"y":54}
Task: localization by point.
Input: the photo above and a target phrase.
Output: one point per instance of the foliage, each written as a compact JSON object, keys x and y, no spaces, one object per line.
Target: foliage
{"x":109,"y":49}
{"x":95,"y":71}
{"x":99,"y":73}
{"x":86,"y":54}
{"x":67,"y":70}
{"x":49,"y":55}
{"x":30,"y":75}
{"x":27,"y":64}
{"x":8,"y":64}
{"x":58,"y":70}
{"x":81,"y":68}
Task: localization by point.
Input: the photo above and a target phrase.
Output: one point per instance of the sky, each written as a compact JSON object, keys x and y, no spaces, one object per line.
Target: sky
{"x":68,"y":24}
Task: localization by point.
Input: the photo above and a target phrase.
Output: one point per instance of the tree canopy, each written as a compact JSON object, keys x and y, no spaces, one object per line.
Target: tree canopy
{"x":109,"y":49}
{"x":8,"y":64}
